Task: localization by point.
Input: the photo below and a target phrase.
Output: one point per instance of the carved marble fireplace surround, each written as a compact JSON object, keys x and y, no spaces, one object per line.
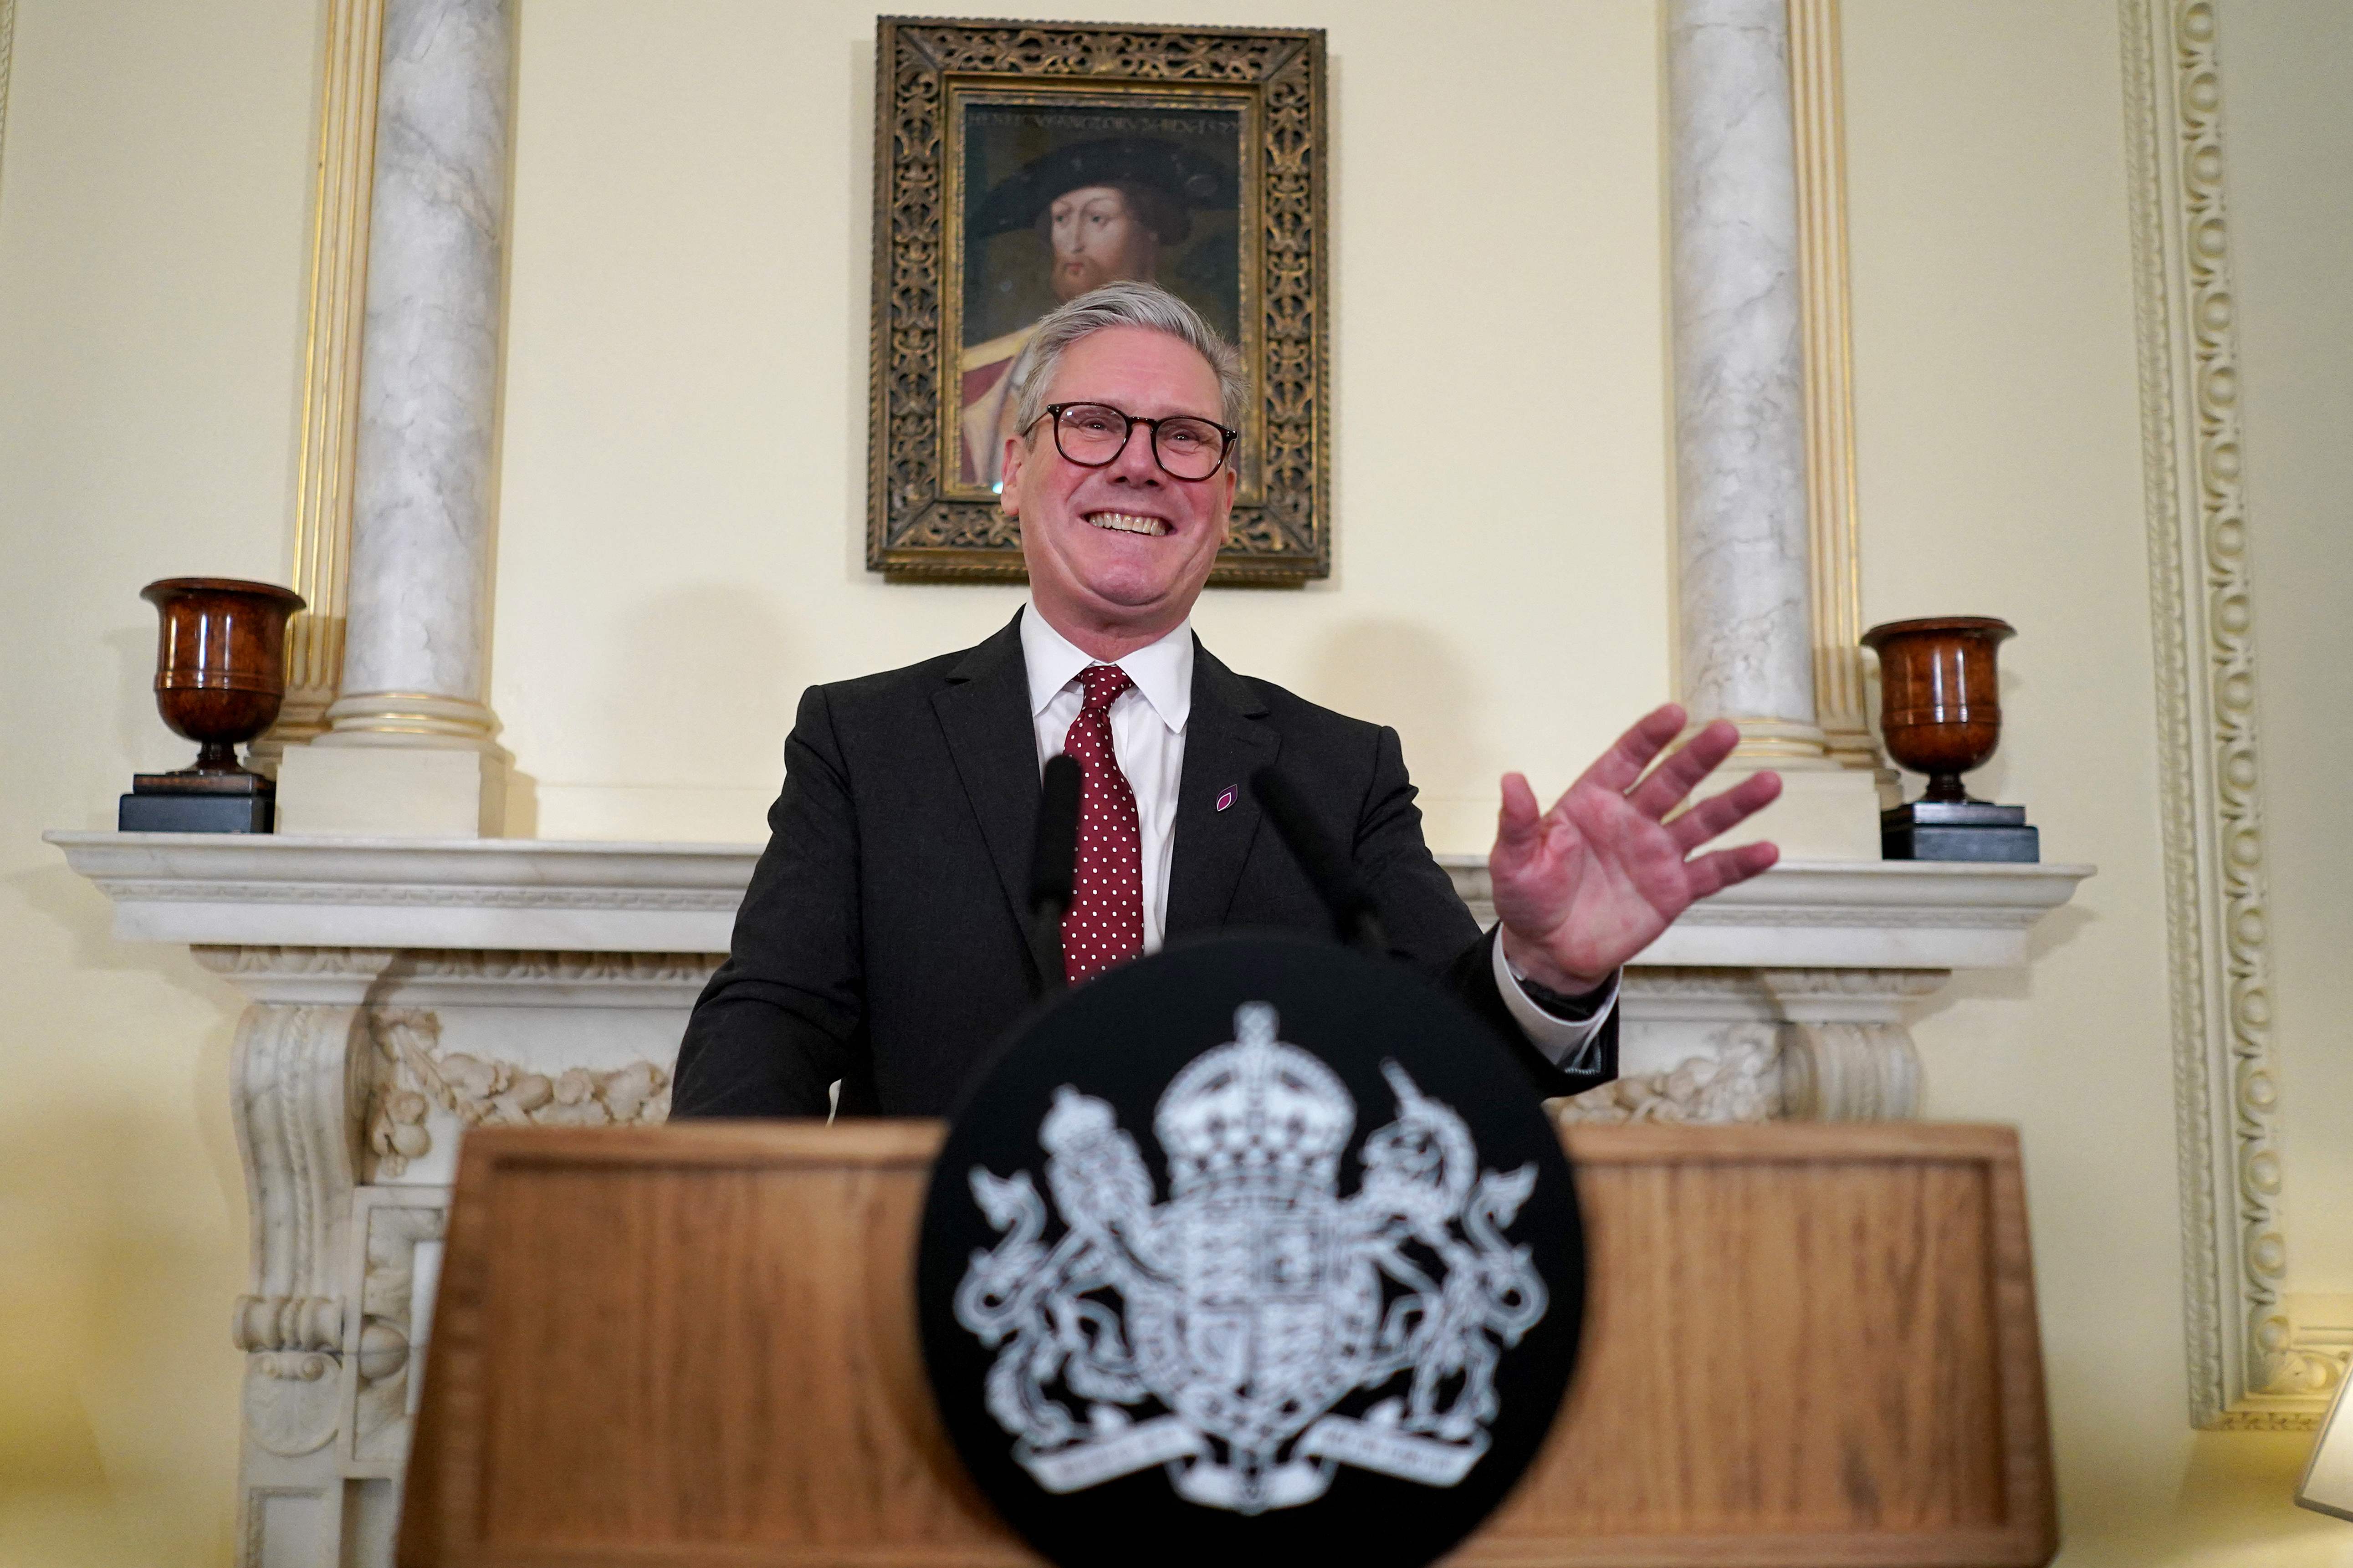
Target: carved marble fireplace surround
{"x":400,"y":991}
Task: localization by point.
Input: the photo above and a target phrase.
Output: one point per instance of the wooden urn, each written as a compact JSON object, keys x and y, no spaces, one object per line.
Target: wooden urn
{"x":1940,"y":714}
{"x":1939,"y":697}
{"x":220,"y":677}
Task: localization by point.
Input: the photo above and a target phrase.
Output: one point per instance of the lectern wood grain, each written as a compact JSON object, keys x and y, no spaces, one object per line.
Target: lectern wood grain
{"x":1807,"y":1344}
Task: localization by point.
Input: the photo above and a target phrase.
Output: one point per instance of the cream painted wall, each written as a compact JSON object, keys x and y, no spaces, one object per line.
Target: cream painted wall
{"x":684,"y":498}
{"x":680,"y":554}
{"x":1999,"y":464}
{"x":2290,"y":69}
{"x":153,"y":216}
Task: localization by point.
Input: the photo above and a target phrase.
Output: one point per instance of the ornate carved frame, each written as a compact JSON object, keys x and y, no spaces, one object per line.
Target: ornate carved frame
{"x":917,"y":526}
{"x":2252,"y":1364}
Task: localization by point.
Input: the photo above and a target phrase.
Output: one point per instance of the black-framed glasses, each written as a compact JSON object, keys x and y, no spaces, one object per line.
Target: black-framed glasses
{"x":1094,"y":435}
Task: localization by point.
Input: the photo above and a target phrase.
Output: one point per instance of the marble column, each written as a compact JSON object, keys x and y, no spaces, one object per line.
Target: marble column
{"x":410,"y":745}
{"x":1740,"y":440}
{"x":1743,"y":552}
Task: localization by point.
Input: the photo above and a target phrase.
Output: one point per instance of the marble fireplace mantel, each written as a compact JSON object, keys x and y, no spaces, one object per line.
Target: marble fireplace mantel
{"x":402,"y":990}
{"x":1782,"y":996}
{"x":524,"y":894}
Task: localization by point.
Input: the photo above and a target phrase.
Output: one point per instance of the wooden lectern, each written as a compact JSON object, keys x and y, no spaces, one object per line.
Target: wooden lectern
{"x":1807,"y":1343}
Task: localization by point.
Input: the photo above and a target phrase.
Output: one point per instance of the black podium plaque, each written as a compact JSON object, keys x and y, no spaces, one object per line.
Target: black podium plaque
{"x":1257,"y":1251}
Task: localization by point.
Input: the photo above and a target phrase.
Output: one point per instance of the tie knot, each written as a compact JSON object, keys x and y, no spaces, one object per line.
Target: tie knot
{"x":1102,"y":683}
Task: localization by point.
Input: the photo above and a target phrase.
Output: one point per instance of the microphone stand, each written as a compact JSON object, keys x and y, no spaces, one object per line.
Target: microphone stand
{"x":1053,"y":866}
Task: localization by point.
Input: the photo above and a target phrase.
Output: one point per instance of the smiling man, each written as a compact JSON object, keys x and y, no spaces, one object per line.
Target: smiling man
{"x":882,"y":942}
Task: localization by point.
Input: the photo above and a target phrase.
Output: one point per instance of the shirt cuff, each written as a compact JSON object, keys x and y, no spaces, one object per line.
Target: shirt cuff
{"x":1565,"y":1043}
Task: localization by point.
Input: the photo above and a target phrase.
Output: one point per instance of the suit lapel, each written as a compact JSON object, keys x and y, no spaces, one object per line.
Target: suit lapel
{"x":984,"y":712}
{"x":1226,"y":740}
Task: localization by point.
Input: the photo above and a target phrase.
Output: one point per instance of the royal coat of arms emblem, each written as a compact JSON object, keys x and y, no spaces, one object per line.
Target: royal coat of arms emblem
{"x":1216,"y":1332}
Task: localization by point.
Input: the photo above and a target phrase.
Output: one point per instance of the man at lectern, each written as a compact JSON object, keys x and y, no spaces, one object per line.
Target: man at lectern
{"x":883,"y":941}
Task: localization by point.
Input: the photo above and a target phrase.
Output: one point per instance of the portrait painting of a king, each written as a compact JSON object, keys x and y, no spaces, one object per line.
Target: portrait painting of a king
{"x":1059,"y":200}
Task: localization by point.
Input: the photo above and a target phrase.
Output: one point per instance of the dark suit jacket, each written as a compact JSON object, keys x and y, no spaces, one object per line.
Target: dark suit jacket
{"x":883,"y":941}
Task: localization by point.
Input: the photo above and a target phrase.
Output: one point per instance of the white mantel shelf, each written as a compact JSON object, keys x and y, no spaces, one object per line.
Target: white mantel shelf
{"x":524,"y":894}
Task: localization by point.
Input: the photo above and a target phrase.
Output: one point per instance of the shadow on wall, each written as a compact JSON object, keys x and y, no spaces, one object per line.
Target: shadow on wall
{"x":121,"y":1233}
{"x":77,"y":908}
{"x":1401,"y":674}
{"x":113,"y":1450}
{"x":702,"y":678}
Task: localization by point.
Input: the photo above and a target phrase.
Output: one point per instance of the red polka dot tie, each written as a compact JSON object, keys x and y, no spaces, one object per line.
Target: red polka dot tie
{"x":1105,"y":922}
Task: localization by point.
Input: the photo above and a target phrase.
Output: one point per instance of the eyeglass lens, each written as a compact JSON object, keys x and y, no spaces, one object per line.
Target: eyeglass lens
{"x":1093,"y":434}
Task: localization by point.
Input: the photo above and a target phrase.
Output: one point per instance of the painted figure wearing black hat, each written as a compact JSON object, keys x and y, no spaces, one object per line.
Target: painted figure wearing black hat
{"x":1103,"y":210}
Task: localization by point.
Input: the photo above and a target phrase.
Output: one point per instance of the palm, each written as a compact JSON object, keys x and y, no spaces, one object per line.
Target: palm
{"x":1585,"y":886}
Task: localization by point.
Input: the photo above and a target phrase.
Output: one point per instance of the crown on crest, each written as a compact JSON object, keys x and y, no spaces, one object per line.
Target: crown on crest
{"x":1253,"y":1110}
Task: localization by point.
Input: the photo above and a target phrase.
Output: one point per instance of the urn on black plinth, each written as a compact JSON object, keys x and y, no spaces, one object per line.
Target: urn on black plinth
{"x":220,"y":675}
{"x":1940,"y":714}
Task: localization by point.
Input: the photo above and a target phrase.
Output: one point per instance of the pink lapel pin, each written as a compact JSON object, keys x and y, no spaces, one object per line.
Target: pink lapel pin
{"x":1226,"y":799}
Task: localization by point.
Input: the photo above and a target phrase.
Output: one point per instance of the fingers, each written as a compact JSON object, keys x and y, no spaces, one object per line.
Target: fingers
{"x":1681,"y":773}
{"x":1622,"y":763}
{"x":1519,"y":824}
{"x":1711,"y":874}
{"x":1720,"y":813}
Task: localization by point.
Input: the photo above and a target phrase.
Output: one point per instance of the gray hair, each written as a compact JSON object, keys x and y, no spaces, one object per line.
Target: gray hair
{"x":1122,"y":304}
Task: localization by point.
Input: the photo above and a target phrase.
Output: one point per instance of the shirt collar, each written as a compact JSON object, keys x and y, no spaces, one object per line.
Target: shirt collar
{"x":1163,"y":670}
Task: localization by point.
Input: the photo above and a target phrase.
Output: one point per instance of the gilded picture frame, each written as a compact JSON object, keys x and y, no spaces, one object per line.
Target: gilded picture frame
{"x":998,"y":148}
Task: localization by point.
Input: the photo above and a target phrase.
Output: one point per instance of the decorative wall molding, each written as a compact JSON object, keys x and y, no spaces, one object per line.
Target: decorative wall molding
{"x":2246,"y":1367}
{"x":331,"y":381}
{"x":689,"y":898}
{"x":463,"y":977}
{"x":1818,"y":100}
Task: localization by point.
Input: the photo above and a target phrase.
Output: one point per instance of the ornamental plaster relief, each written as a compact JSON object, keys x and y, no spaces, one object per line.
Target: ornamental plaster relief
{"x":412,"y":1076}
{"x":1740,"y":1083}
{"x":395,"y":1294}
{"x":351,"y":1099}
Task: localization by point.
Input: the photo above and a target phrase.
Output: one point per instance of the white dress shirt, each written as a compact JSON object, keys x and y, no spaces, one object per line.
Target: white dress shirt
{"x":1147,"y":733}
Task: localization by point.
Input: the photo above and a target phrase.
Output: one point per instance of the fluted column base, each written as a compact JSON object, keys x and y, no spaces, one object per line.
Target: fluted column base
{"x":411,"y":719}
{"x":1783,"y":743}
{"x":397,"y":764}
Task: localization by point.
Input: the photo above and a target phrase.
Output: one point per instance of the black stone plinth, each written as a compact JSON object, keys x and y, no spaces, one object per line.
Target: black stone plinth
{"x":198,"y":803}
{"x":1958,"y":830}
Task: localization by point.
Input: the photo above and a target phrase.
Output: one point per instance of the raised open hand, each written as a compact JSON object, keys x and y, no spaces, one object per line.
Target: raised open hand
{"x":1586,"y":886}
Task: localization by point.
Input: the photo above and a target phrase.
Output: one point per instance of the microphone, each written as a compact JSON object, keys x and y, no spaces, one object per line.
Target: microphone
{"x":1053,"y":861}
{"x":1355,"y":921}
